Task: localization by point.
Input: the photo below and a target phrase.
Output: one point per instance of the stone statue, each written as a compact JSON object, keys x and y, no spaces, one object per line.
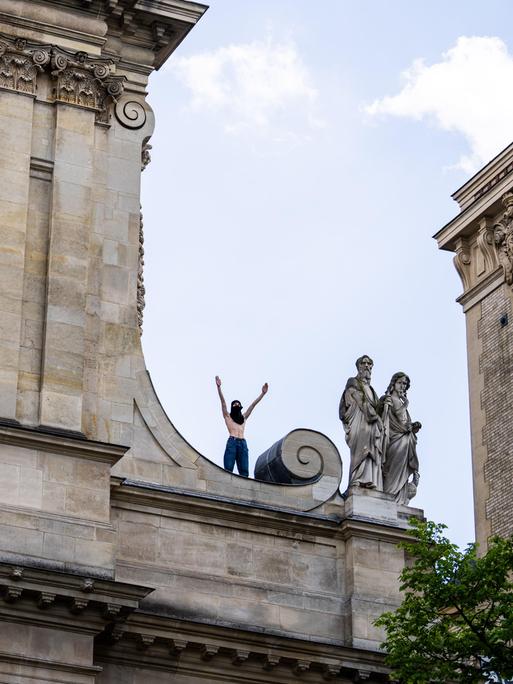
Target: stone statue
{"x":359,"y":413}
{"x":400,"y":462}
{"x":503,"y":238}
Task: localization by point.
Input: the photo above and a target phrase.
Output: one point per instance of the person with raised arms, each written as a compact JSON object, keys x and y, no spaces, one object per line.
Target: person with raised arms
{"x":236,"y":447}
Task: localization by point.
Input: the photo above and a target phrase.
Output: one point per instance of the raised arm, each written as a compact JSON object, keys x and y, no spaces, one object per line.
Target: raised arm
{"x":250,"y":408}
{"x":221,"y":397}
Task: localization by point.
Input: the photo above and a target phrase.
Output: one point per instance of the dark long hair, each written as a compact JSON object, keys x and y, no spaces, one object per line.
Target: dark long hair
{"x":236,"y":412}
{"x":395,"y":378}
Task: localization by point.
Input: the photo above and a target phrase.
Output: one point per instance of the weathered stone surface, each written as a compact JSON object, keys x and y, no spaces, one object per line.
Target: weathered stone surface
{"x":157,"y":563}
{"x":482,"y":243}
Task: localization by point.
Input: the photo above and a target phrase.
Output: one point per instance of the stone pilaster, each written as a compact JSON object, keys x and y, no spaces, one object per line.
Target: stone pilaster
{"x":482,"y":238}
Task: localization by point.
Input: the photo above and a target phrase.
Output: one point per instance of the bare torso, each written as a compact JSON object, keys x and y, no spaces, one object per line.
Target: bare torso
{"x":234,"y":428}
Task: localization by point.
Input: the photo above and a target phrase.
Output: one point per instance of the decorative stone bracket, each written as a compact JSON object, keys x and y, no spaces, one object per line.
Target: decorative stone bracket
{"x":79,"y":80}
{"x":462,"y":262}
{"x":129,"y":642}
{"x":476,"y":256}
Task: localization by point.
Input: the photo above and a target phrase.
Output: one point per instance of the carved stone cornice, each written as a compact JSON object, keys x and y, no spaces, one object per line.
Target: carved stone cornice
{"x":78,"y":79}
{"x":48,"y":596}
{"x":57,"y":442}
{"x":141,"y":495}
{"x":207,"y":649}
{"x":159,"y":25}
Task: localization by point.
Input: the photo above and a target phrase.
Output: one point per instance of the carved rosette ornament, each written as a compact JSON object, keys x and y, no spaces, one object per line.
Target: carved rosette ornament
{"x":503,"y":238}
{"x":80,"y":80}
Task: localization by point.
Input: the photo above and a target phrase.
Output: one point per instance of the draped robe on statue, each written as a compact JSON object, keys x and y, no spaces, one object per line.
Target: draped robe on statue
{"x":364,"y":436}
{"x":401,"y":454}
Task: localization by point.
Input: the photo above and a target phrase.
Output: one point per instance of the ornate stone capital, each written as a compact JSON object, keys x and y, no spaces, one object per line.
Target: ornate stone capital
{"x":20,"y":62}
{"x":83,"y":81}
{"x":79,"y":80}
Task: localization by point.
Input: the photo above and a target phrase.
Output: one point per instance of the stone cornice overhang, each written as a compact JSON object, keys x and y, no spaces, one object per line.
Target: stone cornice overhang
{"x":194,"y":647}
{"x":157,"y":24}
{"x":51,"y":597}
{"x":479,"y":197}
{"x":485,"y":179}
{"x":144,"y":496}
{"x":60,"y":442}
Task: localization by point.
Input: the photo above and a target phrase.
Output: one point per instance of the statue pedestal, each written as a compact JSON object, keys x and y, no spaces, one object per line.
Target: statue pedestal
{"x":373,"y":526}
{"x":377,"y":507}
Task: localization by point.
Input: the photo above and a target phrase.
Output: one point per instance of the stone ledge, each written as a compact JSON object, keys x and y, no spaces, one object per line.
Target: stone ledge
{"x":27,"y":661}
{"x":60,"y":442}
{"x":146,"y":495}
{"x":69,"y":601}
{"x":158,"y":642}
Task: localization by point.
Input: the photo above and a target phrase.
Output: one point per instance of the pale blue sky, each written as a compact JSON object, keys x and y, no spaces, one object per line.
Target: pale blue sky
{"x":288,"y":228}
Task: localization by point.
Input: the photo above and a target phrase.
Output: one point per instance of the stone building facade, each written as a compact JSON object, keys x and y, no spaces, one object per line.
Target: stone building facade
{"x":125,"y":555}
{"x":482,"y":238}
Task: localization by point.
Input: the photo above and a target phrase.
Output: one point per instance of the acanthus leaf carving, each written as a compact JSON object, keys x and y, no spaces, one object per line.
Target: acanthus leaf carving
{"x":20,"y":62}
{"x":503,"y":237}
{"x":85,"y":82}
{"x":81,"y":80}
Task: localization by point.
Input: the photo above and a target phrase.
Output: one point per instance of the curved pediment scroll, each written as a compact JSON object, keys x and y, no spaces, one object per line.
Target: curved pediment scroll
{"x":310,"y":458}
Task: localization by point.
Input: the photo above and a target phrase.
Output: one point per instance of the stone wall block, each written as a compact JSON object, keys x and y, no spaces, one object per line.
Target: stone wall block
{"x":138,"y":541}
{"x":15,"y":140}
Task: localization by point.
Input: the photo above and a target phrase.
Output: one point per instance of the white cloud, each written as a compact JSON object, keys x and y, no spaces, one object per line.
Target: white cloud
{"x":255,"y":87}
{"x":468,"y":91}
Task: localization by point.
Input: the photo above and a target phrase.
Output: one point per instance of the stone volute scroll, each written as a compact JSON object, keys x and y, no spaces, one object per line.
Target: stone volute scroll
{"x":131,"y":113}
{"x":503,"y":238}
{"x":301,"y":457}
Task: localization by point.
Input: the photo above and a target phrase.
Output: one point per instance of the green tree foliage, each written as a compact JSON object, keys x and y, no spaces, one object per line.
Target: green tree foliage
{"x":456,"y":620}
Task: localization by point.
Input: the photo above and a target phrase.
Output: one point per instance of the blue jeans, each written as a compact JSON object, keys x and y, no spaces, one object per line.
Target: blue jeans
{"x":236,"y":452}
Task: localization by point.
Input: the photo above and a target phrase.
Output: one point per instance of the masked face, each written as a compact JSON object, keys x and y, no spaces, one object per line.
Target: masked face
{"x":236,"y":412}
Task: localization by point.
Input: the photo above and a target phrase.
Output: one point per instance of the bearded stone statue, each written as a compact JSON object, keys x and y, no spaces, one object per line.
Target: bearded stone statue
{"x":359,"y":413}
